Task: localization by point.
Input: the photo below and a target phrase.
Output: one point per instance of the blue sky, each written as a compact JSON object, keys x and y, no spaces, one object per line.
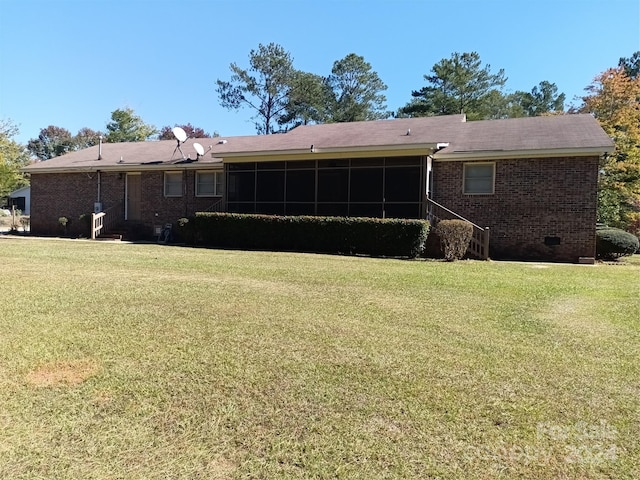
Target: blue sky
{"x":70,"y":63}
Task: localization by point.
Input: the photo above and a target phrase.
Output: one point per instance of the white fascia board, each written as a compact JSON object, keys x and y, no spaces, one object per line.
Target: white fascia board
{"x":367,"y":148}
{"x":125,"y":167}
{"x":506,"y":154}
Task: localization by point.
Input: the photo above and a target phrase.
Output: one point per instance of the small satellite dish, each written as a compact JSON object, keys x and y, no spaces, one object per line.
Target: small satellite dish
{"x":179,"y":133}
{"x":199,"y":149}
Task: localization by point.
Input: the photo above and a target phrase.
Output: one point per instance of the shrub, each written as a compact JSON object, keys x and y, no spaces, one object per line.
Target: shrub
{"x":612,"y":243}
{"x":346,"y":235}
{"x":64,"y":224}
{"x":85,"y":221}
{"x":455,"y":236}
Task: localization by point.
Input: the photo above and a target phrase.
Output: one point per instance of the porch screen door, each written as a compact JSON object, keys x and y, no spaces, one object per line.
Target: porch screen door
{"x":133,"y":197}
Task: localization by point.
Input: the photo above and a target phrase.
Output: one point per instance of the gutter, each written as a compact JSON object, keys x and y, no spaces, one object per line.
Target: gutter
{"x":124,"y":167}
{"x":508,"y":154}
{"x":331,"y":150}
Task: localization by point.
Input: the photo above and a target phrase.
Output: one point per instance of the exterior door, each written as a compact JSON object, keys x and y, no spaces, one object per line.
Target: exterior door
{"x":133,"y":197}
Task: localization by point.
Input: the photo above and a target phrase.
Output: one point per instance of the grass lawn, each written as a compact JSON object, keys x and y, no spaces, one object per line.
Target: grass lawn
{"x":152,"y":362}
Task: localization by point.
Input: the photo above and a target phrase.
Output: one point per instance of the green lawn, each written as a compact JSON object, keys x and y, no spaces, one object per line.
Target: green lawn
{"x":152,"y":362}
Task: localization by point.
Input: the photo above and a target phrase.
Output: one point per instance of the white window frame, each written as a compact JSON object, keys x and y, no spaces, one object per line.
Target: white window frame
{"x":218,"y":184}
{"x":469,"y":191}
{"x":169,"y":186}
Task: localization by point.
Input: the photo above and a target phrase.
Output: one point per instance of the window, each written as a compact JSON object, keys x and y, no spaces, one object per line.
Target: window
{"x":478,"y":178}
{"x":209,"y":184}
{"x":172,"y":184}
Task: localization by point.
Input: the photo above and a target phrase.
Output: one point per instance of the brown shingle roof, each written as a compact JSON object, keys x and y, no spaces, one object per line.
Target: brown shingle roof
{"x":126,"y":155}
{"x":543,"y":134}
{"x":335,"y":136}
{"x":569,"y":134}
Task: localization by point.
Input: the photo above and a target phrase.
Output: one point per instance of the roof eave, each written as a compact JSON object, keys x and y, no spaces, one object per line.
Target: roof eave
{"x":328,"y":150}
{"x":127,"y":167}
{"x":508,"y":154}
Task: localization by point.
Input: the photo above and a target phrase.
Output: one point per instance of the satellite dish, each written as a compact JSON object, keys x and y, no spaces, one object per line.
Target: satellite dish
{"x":179,"y":133}
{"x":181,"y":136}
{"x":199,"y":149}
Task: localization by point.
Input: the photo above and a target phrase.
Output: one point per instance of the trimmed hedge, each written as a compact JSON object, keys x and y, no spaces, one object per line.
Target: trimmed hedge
{"x":343,"y":235}
{"x":612,"y":243}
{"x":455,"y":236}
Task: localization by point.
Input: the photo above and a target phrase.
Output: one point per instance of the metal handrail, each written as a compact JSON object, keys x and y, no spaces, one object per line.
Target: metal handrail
{"x":217,"y":206}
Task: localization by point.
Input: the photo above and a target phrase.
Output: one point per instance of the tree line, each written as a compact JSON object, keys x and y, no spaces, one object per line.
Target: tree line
{"x":280,"y":97}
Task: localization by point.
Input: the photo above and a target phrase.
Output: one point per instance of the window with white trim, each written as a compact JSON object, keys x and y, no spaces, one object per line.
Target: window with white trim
{"x":172,"y":184}
{"x":478,"y":178}
{"x":209,"y":184}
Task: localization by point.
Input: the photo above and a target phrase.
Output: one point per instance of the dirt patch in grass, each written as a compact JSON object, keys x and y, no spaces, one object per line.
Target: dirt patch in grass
{"x":63,"y":372}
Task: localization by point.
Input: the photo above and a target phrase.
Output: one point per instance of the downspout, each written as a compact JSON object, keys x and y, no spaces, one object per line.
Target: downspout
{"x":426,"y":176}
{"x":428,"y":179}
{"x":99,"y":176}
{"x":186,"y":192}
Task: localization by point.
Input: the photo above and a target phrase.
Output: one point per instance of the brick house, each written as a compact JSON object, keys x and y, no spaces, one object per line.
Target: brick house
{"x":532,"y":182}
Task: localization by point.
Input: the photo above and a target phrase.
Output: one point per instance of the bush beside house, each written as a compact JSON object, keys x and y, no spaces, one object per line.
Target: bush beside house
{"x":455,"y":236}
{"x":346,"y":235}
{"x":613,"y":243}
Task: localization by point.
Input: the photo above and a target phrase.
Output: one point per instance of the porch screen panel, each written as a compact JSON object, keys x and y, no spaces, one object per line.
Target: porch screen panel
{"x":238,"y":207}
{"x":301,"y":186}
{"x":270,"y":208}
{"x":270,"y":191}
{"x":333,"y":209}
{"x":402,"y":184}
{"x":402,"y":210}
{"x":365,"y":210}
{"x":366,"y":185}
{"x":293,"y":208}
{"x":270,"y":186}
{"x":241,"y":192}
{"x":333,"y":185}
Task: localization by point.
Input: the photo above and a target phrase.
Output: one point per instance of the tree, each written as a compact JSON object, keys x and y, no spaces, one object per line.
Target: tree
{"x":55,"y":141}
{"x":613,"y":98}
{"x":264,"y":87}
{"x":543,"y":99}
{"x":126,"y":126}
{"x":458,"y":85}
{"x":13,"y":156}
{"x":356,"y":91}
{"x":631,"y":65}
{"x":52,"y":141}
{"x":86,"y":138}
{"x":166,"y":132}
{"x":309,"y":100}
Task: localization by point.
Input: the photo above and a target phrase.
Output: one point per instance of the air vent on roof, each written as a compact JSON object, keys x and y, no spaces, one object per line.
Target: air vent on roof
{"x":220,"y":142}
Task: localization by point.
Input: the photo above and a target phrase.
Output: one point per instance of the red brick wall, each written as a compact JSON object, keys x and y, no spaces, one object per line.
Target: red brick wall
{"x":156,"y":209}
{"x":533,"y":199}
{"x":55,"y":195}
{"x":70,"y":195}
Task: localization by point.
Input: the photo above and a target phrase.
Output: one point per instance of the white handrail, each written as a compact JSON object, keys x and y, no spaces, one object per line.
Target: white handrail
{"x":97,"y":224}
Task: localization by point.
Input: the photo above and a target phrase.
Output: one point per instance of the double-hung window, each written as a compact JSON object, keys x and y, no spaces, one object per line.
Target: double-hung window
{"x":479,"y":178}
{"x":209,"y":184}
{"x":172,"y":184}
